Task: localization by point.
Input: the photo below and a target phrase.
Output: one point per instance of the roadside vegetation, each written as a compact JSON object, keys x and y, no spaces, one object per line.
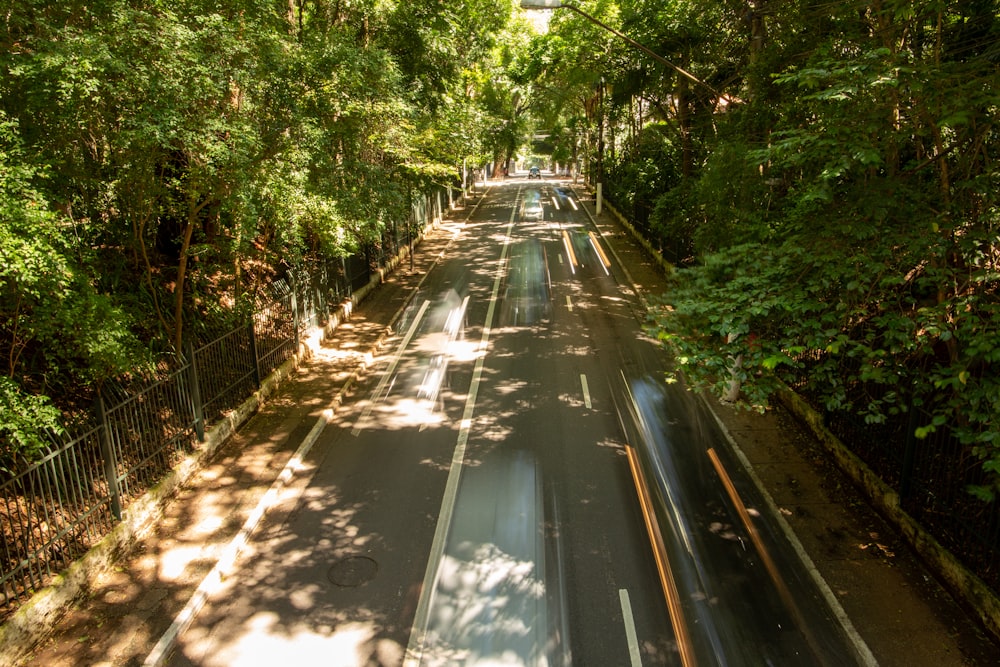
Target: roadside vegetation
{"x":823,"y":176}
{"x":161,"y":161}
{"x":825,"y":182}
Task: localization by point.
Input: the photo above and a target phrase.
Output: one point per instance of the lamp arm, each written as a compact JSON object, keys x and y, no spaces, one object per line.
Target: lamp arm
{"x":644,"y":48}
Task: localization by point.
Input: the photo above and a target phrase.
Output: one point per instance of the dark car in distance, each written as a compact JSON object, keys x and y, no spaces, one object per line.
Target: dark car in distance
{"x":534,"y":172}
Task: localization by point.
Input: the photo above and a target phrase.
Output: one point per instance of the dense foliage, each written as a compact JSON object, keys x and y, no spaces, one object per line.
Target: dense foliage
{"x":161,"y":160}
{"x":823,"y":175}
{"x":826,"y":182}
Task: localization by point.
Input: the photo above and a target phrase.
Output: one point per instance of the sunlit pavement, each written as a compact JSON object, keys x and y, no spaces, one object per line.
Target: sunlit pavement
{"x":493,"y":567}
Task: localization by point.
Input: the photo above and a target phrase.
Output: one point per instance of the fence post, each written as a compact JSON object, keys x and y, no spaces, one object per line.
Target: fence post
{"x":253,"y":351}
{"x":108,"y":455}
{"x":195,"y":385}
{"x":909,"y":454}
{"x":319,"y":287}
{"x":348,"y":283}
{"x":295,"y":308}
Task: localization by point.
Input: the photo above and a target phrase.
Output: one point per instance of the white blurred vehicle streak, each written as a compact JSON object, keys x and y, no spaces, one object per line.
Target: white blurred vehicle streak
{"x":390,"y":371}
{"x":418,"y":634}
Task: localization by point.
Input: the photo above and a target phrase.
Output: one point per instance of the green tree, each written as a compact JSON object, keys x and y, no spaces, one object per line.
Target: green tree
{"x":863,"y":258}
{"x":165,"y":160}
{"x":57,"y":329}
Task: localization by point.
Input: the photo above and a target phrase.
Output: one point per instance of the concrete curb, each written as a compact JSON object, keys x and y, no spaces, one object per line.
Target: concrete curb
{"x":862,"y":651}
{"x":36,"y":617}
{"x":974,"y":593}
{"x":665,"y":266}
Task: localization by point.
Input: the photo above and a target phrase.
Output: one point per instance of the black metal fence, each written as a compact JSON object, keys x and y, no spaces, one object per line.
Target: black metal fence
{"x":55,"y":510}
{"x":932,"y":476}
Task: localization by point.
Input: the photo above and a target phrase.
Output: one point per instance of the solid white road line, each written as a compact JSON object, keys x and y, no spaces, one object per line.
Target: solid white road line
{"x":633,"y":640}
{"x":421,"y":619}
{"x":586,"y":390}
{"x":569,"y":252}
{"x":861,"y":649}
{"x":214,"y":579}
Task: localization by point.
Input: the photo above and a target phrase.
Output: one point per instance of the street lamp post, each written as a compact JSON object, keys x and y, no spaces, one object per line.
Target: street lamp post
{"x":558,"y":4}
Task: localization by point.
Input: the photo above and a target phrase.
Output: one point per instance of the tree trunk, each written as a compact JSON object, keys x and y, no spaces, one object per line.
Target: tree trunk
{"x":684,"y":125}
{"x":192,"y":220}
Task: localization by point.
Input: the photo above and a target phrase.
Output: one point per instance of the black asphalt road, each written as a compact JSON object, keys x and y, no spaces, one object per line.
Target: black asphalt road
{"x":475,"y":504}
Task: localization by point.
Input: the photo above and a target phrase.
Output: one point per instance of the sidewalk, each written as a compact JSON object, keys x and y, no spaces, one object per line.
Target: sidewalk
{"x":899,"y":610}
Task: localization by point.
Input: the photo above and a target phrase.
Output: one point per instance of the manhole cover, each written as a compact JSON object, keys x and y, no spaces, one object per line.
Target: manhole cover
{"x":352,"y":571}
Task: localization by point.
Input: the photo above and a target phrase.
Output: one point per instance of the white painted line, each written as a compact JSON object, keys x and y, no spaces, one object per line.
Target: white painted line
{"x":621,"y":266}
{"x":862,"y":651}
{"x":586,"y":391}
{"x":555,"y":202}
{"x":569,"y":301}
{"x":421,"y":619}
{"x":214,"y":579}
{"x":389,"y":372}
{"x":600,"y":253}
{"x":635,"y":660}
{"x":573,"y":204}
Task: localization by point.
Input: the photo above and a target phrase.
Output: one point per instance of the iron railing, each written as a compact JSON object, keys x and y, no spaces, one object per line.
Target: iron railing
{"x":56,"y":509}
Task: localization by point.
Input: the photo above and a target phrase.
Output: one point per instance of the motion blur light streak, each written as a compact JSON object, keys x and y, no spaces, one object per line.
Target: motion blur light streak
{"x":497,"y":598}
{"x":266,"y":640}
{"x":662,"y":562}
{"x":605,"y":262}
{"x":569,"y":251}
{"x":772,"y":569}
{"x":416,"y":649}
{"x":741,"y":605}
{"x":526,"y":297}
{"x":378,"y":392}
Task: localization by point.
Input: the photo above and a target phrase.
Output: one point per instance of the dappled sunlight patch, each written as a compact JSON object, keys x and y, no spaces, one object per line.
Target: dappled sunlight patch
{"x":316,"y":499}
{"x":572,"y":399}
{"x":491,"y":602}
{"x":482,"y":594}
{"x":304,"y":597}
{"x":175,"y":561}
{"x":465,"y":351}
{"x":510,"y":387}
{"x":265,"y":640}
{"x":442,"y":466}
{"x":489,"y":428}
{"x":408,"y":413}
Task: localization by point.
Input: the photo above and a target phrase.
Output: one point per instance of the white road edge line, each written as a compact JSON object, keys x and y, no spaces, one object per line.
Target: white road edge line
{"x":621,"y":266}
{"x":421,"y":619}
{"x":633,"y":640}
{"x":586,"y":391}
{"x":213,"y":580}
{"x":864,"y":653}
